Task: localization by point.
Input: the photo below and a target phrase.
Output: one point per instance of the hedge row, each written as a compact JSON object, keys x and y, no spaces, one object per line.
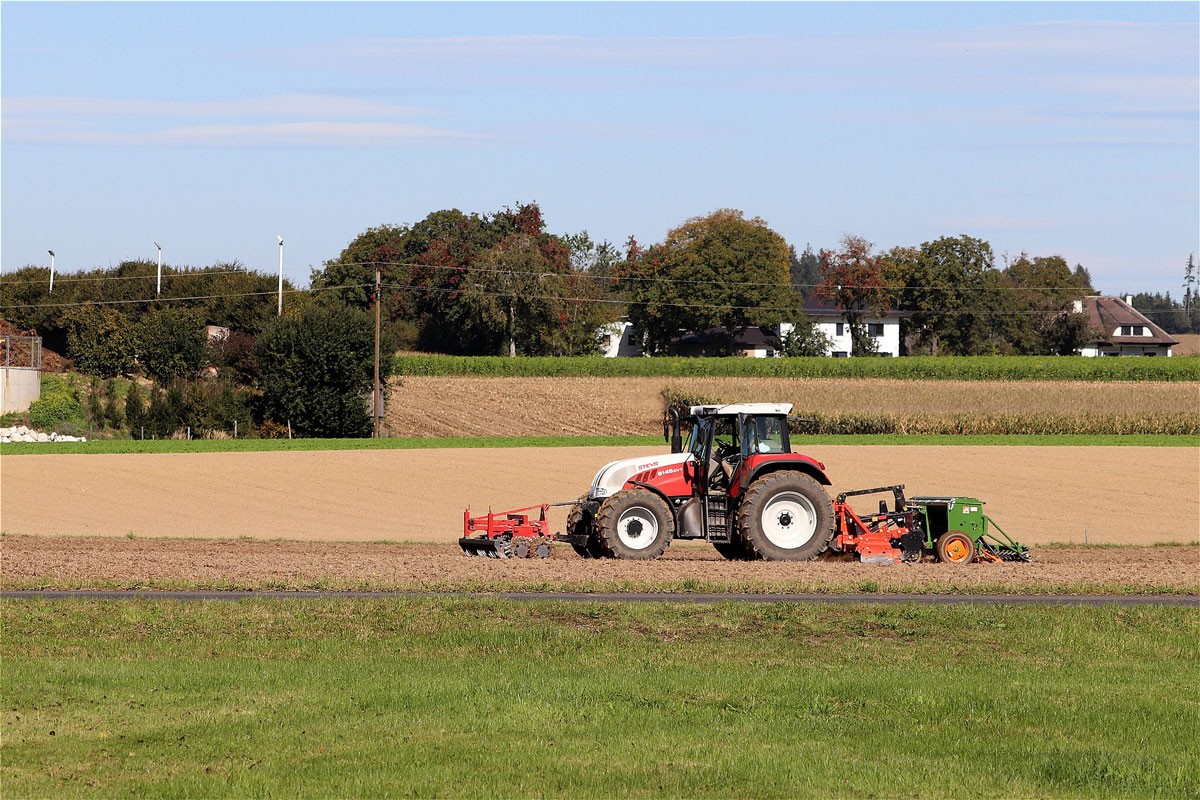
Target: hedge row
{"x":1183,"y":424}
{"x":1007,"y":368}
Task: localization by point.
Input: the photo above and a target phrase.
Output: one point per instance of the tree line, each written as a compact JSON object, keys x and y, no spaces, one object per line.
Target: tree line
{"x":500,"y":284}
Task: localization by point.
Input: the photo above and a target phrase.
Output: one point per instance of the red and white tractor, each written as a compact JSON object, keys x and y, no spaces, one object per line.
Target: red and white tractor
{"x":735,"y":483}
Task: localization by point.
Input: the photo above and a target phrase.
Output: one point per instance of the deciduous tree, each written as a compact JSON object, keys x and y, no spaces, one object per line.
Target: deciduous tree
{"x":718,"y":271}
{"x":316,"y":371}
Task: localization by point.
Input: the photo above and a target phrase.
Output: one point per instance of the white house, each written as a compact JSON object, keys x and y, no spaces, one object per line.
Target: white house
{"x":884,"y":328}
{"x":1122,"y":329}
{"x":619,"y":339}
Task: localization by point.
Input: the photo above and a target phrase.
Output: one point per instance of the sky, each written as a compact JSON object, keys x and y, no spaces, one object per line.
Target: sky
{"x":1068,"y":129}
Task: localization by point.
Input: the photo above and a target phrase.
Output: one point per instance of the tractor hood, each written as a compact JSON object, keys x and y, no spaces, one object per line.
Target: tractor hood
{"x":613,"y":475}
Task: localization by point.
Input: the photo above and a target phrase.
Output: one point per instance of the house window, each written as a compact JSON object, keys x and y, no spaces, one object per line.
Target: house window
{"x":1133,"y":330}
{"x":875,"y":328}
{"x":841,"y":329}
{"x":840,"y":354}
{"x":770,"y":353}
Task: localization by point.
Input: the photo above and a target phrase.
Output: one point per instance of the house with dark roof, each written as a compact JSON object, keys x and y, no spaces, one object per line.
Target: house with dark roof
{"x":1121,"y":330}
{"x":883,"y":327}
{"x":754,"y":342}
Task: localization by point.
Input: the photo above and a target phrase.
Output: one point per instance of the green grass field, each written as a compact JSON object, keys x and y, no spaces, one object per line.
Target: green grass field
{"x":480,"y":698}
{"x":1003,"y":368}
{"x":799,"y":442}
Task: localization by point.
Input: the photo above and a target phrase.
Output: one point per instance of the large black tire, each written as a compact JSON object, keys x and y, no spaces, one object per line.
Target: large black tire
{"x":634,"y":524}
{"x":786,"y":516}
{"x":579,"y":521}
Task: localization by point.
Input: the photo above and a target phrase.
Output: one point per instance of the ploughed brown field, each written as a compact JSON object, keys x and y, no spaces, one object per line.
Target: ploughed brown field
{"x":489,"y":406}
{"x":1119,"y":495}
{"x":73,"y":562}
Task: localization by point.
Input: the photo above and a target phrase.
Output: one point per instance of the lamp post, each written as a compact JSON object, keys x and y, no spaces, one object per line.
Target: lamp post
{"x":158,"y":290}
{"x":51,"y":252}
{"x":280,"y":238}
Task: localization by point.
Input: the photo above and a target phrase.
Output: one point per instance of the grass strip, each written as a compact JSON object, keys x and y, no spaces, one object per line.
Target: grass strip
{"x":800,"y":442}
{"x":474,"y":697}
{"x":1008,"y":368}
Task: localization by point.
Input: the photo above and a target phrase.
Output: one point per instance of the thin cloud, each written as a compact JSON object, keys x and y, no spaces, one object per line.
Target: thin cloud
{"x":289,"y":119}
{"x":285,"y":105}
{"x":310,"y":134}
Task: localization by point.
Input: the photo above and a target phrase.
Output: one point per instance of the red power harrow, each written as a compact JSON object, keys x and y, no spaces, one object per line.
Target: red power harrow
{"x":507,"y":534}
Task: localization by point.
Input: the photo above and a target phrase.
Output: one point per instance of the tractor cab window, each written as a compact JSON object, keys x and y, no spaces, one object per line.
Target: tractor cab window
{"x":698,"y":437}
{"x":764,"y":435}
{"x":725,"y":438}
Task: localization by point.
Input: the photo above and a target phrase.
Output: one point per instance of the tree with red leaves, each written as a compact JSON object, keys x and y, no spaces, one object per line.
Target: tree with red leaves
{"x":853,"y":279}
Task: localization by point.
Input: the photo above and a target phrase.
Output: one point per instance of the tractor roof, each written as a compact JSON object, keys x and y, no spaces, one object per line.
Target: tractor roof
{"x":741,"y":408}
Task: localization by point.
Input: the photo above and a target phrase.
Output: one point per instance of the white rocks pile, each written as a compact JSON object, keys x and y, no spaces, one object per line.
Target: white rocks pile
{"x":23,"y":434}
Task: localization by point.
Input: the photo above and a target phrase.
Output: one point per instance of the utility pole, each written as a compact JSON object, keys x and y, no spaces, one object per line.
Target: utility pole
{"x":377,"y":395}
{"x":158,"y":286}
{"x":280,"y":238}
{"x":51,"y":252}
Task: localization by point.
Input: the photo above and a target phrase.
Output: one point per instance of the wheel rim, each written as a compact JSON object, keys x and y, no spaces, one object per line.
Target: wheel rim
{"x":957,"y":548}
{"x":789,"y":520}
{"x":637,"y":528}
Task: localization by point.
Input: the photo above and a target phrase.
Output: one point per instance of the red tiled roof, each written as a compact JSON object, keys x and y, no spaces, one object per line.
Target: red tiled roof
{"x":1108,"y":314}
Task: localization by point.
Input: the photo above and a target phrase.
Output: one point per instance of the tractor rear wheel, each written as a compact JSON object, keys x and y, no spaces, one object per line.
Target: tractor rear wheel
{"x":635,"y":524}
{"x":955,"y":547}
{"x":786,"y":516}
{"x":579,"y":522}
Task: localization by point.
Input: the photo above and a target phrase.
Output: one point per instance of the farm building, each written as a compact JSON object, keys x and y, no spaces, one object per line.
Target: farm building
{"x":1123,"y":330}
{"x":754,"y":342}
{"x":883,"y":327}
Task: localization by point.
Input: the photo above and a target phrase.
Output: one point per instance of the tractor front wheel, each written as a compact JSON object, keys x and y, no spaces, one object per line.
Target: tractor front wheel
{"x":955,"y":548}
{"x":786,"y":516}
{"x":635,"y":524}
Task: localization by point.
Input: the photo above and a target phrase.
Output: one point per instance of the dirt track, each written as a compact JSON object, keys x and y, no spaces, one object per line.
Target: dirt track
{"x":1125,"y":495}
{"x":67,"y":562}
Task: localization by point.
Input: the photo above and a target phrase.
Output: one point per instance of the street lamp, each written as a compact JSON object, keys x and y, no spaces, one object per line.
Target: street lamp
{"x":280,"y":238}
{"x":158,"y":291}
{"x":51,"y":252}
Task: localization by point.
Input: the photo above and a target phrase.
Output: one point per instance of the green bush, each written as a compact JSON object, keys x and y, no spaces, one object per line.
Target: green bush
{"x":171,"y":343}
{"x":997,"y":424}
{"x":1012,"y":368}
{"x":57,"y":408}
{"x":316,"y":371}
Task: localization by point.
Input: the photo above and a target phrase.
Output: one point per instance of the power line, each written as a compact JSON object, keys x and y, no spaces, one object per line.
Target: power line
{"x":481,"y":291}
{"x":660,"y":279}
{"x":58,"y":278}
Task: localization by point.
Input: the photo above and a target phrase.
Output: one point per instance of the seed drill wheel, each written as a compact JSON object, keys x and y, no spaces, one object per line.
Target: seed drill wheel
{"x":786,"y":516}
{"x":955,"y":548}
{"x":634,"y":524}
{"x":578,"y":521}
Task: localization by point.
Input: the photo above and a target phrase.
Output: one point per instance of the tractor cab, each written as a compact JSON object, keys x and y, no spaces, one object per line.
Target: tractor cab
{"x":723,"y":439}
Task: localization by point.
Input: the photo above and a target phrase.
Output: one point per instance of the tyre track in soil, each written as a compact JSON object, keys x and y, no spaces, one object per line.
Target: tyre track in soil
{"x":629,"y":597}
